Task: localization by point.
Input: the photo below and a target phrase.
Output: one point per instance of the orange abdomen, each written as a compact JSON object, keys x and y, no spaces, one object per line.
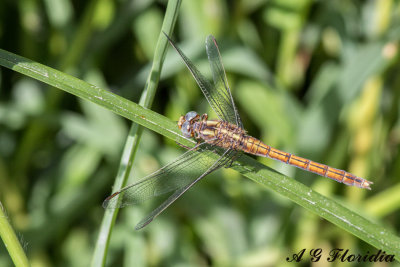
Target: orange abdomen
{"x":254,"y":146}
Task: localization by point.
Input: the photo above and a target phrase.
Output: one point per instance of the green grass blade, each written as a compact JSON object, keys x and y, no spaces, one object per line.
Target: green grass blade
{"x":104,"y":98}
{"x":11,"y":241}
{"x":329,"y":209}
{"x":133,"y":140}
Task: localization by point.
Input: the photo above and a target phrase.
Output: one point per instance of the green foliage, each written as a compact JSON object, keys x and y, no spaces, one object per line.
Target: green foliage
{"x":318,"y":79}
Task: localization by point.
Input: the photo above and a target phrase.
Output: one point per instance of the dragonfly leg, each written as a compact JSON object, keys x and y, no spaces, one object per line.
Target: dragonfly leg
{"x":187,"y":147}
{"x":181,"y":145}
{"x":235,"y":157}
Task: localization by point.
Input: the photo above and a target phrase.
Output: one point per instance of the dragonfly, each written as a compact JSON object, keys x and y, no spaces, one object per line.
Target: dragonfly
{"x":219,"y":143}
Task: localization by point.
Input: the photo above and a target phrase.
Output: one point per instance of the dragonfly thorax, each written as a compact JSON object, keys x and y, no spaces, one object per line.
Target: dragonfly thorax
{"x":186,"y":123}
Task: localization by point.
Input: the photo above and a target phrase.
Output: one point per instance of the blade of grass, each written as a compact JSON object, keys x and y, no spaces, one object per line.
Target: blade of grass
{"x":104,"y":98}
{"x":329,"y":209}
{"x":34,"y":135}
{"x":133,"y":139}
{"x":11,"y":241}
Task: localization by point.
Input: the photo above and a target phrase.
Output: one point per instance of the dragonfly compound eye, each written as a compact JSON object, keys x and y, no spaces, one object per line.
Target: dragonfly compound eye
{"x":186,"y":131}
{"x":190,"y":115}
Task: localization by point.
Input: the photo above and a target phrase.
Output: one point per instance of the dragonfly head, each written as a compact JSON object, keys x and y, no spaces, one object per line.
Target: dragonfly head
{"x":186,"y":122}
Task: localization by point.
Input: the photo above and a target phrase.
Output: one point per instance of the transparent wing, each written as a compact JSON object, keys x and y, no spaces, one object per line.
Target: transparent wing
{"x":177,"y":176}
{"x":222,"y":161}
{"x":218,"y":94}
{"x":221,"y":94}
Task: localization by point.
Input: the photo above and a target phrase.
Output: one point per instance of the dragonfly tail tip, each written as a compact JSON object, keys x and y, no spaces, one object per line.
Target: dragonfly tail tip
{"x":367,"y":184}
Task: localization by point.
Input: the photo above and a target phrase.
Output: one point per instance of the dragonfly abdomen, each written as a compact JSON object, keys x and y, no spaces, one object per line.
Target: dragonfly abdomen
{"x":312,"y":166}
{"x":229,"y":136}
{"x":254,"y":146}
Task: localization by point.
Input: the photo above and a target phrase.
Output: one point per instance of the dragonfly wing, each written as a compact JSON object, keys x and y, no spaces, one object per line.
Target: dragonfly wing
{"x":223,"y":160}
{"x":220,"y":99}
{"x":220,"y":94}
{"x":172,"y":176}
{"x":178,"y":176}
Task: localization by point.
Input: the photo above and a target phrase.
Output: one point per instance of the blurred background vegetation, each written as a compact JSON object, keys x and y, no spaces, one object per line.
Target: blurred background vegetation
{"x":316,"y":78}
